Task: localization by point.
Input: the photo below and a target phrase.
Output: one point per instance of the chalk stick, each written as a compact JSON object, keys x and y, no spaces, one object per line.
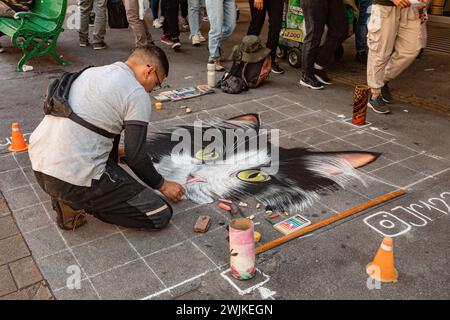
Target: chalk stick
{"x":224,"y":206}
{"x":202,"y":224}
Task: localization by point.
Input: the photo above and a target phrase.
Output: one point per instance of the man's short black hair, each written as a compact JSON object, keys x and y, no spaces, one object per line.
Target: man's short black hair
{"x":152,"y":54}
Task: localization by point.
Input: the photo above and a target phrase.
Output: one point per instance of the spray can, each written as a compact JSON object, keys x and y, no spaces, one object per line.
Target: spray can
{"x":242,"y":249}
{"x":211,"y":75}
{"x":361,"y":99}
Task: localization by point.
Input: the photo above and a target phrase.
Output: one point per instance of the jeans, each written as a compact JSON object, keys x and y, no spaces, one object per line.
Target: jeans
{"x":195,"y":18}
{"x":222,"y":19}
{"x":155,"y":9}
{"x":170,"y":24}
{"x":99,"y":7}
{"x":317,"y":14}
{"x":361,"y":25}
{"x":274,"y":9}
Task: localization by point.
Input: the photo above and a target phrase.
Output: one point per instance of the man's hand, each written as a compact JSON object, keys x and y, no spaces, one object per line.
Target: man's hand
{"x":402,"y":3}
{"x":259,"y":4}
{"x":172,"y":190}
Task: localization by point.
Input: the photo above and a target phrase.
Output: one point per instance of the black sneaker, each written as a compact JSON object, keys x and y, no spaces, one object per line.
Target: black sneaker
{"x":276,"y":68}
{"x":386,"y":93}
{"x":176,"y":43}
{"x":311,"y":83}
{"x":1,"y":49}
{"x":84,"y":42}
{"x":378,"y":105}
{"x":361,"y":57}
{"x":321,"y":75}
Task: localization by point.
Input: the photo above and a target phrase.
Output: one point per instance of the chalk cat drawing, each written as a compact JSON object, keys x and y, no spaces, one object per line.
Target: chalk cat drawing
{"x":302,"y":175}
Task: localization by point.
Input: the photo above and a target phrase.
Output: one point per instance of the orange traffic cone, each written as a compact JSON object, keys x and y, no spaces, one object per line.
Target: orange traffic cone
{"x":382,"y":267}
{"x":17,"y":141}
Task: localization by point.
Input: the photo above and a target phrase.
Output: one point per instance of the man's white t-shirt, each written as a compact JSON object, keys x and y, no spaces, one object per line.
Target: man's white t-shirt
{"x":107,"y":97}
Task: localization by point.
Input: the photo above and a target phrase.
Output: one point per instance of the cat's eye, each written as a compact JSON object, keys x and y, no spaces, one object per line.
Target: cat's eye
{"x":206,"y":155}
{"x":253,"y":175}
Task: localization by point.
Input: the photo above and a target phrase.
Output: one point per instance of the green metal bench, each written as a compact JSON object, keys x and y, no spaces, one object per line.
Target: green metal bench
{"x":36,"y":32}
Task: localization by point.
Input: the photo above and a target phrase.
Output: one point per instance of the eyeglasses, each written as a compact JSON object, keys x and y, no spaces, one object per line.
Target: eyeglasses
{"x":159,"y":84}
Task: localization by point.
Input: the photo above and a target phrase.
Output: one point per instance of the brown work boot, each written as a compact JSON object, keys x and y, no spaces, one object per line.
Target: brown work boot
{"x":66,"y":217}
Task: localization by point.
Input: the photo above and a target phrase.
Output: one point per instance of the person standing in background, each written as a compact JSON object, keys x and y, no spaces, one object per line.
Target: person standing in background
{"x":316,"y":58}
{"x":171,"y":30}
{"x":195,"y":21}
{"x":99,"y":7}
{"x":141,"y":28}
{"x":184,"y":9}
{"x":394,"y":41}
{"x":361,"y":30}
{"x":274,"y":9}
{"x":222,"y":20}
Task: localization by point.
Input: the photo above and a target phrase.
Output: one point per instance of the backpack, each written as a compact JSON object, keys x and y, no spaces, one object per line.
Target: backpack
{"x":249,"y":75}
{"x":56,"y":102}
{"x":117,"y":16}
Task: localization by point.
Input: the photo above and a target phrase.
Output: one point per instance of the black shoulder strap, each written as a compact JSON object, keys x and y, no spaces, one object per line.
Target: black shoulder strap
{"x":75,"y":118}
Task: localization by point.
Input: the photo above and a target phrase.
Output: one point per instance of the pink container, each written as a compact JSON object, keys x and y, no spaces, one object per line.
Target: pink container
{"x":242,"y":249}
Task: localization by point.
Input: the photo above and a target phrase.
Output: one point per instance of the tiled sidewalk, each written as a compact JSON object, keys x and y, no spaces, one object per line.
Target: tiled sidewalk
{"x":20,"y":277}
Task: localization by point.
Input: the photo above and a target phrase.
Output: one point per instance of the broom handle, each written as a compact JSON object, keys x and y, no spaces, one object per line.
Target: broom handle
{"x":369,"y":204}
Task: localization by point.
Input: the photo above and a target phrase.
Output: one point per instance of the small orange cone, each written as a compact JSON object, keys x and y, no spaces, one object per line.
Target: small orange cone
{"x":17,"y":141}
{"x":382,"y":267}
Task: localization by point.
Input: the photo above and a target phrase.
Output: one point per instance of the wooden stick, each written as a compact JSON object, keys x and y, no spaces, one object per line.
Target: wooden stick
{"x":369,"y":204}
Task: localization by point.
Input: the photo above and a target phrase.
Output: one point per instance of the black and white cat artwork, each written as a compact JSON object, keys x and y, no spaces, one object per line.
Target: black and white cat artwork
{"x":283,"y":179}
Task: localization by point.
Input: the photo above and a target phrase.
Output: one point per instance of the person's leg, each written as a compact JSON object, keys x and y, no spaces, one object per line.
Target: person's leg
{"x":313,"y":13}
{"x":229,"y":20}
{"x":257,"y":18}
{"x":85,"y":11}
{"x":275,"y":10}
{"x":100,"y":21}
{"x":136,"y":24}
{"x":407,"y":44}
{"x":337,"y":23}
{"x":115,"y":198}
{"x":184,"y":8}
{"x":1,"y":48}
{"x":171,"y":12}
{"x":382,"y":33}
{"x":361,"y":30}
{"x":194,"y":17}
{"x":155,"y":8}
{"x":215,"y":15}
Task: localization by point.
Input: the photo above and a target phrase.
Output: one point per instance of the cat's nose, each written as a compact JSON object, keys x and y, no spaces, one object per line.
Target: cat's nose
{"x":195,"y":178}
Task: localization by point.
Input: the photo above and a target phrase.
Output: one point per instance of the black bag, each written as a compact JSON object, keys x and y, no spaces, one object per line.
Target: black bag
{"x":56,"y":102}
{"x":117,"y":16}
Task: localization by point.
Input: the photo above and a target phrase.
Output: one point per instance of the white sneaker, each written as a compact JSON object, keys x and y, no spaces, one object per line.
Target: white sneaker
{"x":1,"y":49}
{"x":157,"y":24}
{"x":195,"y":40}
{"x":201,"y":37}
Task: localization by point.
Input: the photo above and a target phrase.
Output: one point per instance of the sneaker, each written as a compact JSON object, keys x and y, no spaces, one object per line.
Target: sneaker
{"x":84,"y":43}
{"x":201,"y":37}
{"x":276,"y":68}
{"x":378,"y":105}
{"x":219,"y":66}
{"x":184,"y":24}
{"x":157,"y":23}
{"x":322,"y":76}
{"x":361,"y":57}
{"x":195,"y":40}
{"x":176,"y":43}
{"x":166,"y":39}
{"x":161,"y":19}
{"x":66,"y":217}
{"x":386,"y":93}
{"x":99,"y":46}
{"x":1,"y":49}
{"x":311,"y":83}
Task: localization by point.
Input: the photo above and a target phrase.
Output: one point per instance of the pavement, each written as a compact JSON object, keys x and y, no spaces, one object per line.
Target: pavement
{"x":176,"y":263}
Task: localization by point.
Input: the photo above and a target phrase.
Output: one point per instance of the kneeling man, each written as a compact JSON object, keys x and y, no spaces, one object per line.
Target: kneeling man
{"x":78,"y":167}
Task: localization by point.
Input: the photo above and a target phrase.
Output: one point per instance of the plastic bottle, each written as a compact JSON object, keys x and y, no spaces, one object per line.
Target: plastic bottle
{"x":211,"y":75}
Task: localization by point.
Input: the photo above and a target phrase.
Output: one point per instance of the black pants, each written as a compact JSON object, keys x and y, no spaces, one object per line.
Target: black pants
{"x":170,"y":25}
{"x":184,"y":8}
{"x":317,"y":14}
{"x":115,"y":198}
{"x":274,"y":8}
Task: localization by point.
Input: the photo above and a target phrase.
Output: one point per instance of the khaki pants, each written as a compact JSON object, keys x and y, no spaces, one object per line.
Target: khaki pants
{"x":394,"y":41}
{"x":140,"y":27}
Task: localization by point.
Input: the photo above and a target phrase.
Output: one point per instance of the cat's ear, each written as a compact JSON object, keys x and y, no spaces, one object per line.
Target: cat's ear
{"x":249,"y":118}
{"x":356,"y":159}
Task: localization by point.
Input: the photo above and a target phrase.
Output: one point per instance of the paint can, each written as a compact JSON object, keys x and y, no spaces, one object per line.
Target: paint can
{"x":242,"y":249}
{"x":362,"y":93}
